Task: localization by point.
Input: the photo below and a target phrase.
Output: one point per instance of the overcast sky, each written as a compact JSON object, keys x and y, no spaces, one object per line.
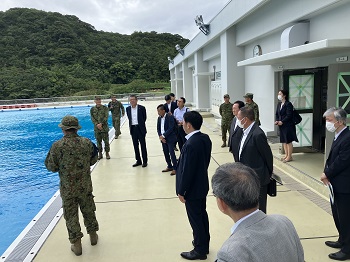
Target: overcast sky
{"x":127,"y":16}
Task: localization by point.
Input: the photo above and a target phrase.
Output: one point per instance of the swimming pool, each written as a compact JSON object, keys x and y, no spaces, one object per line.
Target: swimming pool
{"x":26,"y":185}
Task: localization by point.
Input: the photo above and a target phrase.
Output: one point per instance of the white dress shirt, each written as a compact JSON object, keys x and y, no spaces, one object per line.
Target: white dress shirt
{"x":188,"y":136}
{"x":162,"y":121}
{"x":134,"y":116}
{"x":241,"y":220}
{"x":179,"y":113}
{"x":244,"y":137}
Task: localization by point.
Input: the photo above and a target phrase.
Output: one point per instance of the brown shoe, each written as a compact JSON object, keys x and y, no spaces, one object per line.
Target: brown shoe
{"x":167,"y":170}
{"x":108,"y":156}
{"x":224,"y":144}
{"x":100,"y":156}
{"x":173,"y":173}
{"x":93,"y":238}
{"x":76,"y":247}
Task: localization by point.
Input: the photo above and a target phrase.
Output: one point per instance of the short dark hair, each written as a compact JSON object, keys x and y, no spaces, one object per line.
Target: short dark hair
{"x":237,"y":185}
{"x":167,"y":98}
{"x":194,"y":118}
{"x":161,"y":106}
{"x":285,"y":93}
{"x":172,"y":94}
{"x":184,"y":99}
{"x":239,"y":103}
{"x":248,"y":113}
{"x":134,"y":96}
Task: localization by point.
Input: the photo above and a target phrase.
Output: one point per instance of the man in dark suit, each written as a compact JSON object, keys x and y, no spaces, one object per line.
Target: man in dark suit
{"x":137,"y":123}
{"x":235,"y":131}
{"x":192,"y":183}
{"x":255,"y":152}
{"x":337,"y":174}
{"x":167,"y":136}
{"x":169,"y":105}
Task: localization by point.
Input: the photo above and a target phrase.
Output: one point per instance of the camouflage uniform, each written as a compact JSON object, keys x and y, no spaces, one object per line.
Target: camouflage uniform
{"x":115,"y":108}
{"x":72,"y":157}
{"x":255,"y":107}
{"x":225,"y":111}
{"x":99,"y":114}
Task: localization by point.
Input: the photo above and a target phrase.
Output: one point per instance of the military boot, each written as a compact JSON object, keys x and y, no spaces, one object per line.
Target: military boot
{"x":108,"y":156}
{"x":100,"y":156}
{"x":77,"y":248}
{"x":93,"y":238}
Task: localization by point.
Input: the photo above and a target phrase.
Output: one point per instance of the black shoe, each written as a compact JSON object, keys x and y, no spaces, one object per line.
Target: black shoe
{"x":137,"y":164}
{"x":193,"y":255}
{"x":144,"y":164}
{"x":333,"y":244}
{"x":194,"y":246}
{"x":339,"y":256}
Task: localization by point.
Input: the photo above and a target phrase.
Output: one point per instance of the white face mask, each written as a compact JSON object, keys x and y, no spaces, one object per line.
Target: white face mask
{"x":330,"y":127}
{"x":279,"y":97}
{"x":239,"y":123}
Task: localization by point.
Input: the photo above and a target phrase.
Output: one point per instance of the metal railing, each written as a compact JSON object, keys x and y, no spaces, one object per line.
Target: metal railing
{"x":79,"y":99}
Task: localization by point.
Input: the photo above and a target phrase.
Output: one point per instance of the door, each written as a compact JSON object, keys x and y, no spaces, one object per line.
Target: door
{"x":308,"y":93}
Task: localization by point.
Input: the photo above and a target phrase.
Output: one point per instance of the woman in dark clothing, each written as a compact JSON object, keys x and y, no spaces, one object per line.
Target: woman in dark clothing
{"x":284,"y":119}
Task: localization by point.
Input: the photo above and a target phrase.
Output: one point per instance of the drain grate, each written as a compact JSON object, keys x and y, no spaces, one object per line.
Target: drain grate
{"x":294,"y":185}
{"x":27,"y":242}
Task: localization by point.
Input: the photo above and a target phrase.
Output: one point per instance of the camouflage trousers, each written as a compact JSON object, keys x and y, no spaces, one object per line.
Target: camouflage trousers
{"x":225,"y":127}
{"x":102,"y":136}
{"x":70,"y":212}
{"x":116,"y":125}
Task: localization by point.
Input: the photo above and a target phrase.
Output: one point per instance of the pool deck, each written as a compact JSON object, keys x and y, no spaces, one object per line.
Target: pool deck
{"x":141,"y":219}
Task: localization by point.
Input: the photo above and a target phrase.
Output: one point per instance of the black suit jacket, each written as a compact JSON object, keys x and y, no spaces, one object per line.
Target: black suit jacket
{"x":141,"y":118}
{"x":173,"y":107}
{"x":337,"y":167}
{"x":192,"y":169}
{"x":234,"y":139}
{"x":285,"y":114}
{"x":256,"y":153}
{"x":169,"y":128}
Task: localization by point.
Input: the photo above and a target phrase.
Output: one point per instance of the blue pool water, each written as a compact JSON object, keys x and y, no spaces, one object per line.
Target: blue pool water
{"x":25,"y":184}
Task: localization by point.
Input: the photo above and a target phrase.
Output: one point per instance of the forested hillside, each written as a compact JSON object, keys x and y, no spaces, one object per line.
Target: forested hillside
{"x":45,"y":54}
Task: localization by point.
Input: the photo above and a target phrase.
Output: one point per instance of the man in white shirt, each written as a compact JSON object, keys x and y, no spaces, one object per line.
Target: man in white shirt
{"x":255,"y":236}
{"x":178,"y":114}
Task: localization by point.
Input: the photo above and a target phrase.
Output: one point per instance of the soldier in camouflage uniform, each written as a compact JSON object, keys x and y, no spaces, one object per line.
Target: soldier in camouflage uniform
{"x":72,"y":157}
{"x":99,"y":116}
{"x":225,"y":111}
{"x":251,"y":104}
{"x":116,"y":107}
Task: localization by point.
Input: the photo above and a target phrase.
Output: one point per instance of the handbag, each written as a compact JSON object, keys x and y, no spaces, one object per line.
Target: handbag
{"x":272,"y":186}
{"x":296,"y":117}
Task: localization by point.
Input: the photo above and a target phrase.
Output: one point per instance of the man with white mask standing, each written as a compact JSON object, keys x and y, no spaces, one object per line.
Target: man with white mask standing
{"x":337,"y":174}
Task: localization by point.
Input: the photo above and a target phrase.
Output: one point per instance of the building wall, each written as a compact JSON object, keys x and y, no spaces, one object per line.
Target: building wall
{"x":243,"y":24}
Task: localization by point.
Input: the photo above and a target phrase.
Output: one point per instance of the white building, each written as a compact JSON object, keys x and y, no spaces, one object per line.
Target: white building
{"x":260,"y":46}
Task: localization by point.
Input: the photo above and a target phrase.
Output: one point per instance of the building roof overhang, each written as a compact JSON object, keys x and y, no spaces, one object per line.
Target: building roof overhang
{"x":311,"y":50}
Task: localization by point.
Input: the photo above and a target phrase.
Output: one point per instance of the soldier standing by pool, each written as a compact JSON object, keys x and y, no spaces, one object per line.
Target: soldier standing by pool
{"x":117,"y":110}
{"x":251,"y":104}
{"x":72,"y":157}
{"x":99,"y":116}
{"x":225,"y":111}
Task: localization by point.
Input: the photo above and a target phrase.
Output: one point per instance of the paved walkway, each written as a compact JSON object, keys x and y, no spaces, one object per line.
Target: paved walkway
{"x":141,"y":219}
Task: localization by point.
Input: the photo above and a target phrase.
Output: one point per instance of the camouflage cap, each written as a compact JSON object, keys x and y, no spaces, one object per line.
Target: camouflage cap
{"x":69,"y":122}
{"x":250,"y":95}
{"x":227,"y":96}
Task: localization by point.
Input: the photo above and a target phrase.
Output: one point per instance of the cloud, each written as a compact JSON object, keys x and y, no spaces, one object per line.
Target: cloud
{"x":127,"y":16}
